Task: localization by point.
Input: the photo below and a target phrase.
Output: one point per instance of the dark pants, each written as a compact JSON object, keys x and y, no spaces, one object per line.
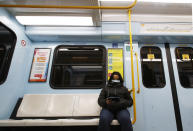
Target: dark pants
{"x":106,"y":118}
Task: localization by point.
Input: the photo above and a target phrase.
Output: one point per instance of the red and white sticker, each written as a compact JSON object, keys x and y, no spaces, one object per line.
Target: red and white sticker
{"x":23,"y":43}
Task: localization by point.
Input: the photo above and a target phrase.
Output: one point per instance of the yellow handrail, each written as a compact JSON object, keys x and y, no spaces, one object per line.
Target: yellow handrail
{"x":132,"y":70}
{"x":138,"y":90}
{"x":71,"y":7}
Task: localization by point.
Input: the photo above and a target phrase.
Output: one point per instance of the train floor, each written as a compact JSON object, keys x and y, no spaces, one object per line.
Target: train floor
{"x":74,"y":128}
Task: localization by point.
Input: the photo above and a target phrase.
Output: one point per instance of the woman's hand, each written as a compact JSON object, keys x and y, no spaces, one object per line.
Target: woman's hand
{"x":108,"y":101}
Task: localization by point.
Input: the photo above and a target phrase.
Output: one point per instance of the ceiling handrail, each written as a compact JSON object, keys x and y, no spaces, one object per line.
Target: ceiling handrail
{"x":71,"y":7}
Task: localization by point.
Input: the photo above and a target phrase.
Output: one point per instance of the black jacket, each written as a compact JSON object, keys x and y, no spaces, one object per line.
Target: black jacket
{"x":115,"y":90}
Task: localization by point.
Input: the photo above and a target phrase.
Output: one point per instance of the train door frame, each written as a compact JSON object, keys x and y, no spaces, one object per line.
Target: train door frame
{"x":158,"y":112}
{"x":184,"y":94}
{"x":139,"y":124}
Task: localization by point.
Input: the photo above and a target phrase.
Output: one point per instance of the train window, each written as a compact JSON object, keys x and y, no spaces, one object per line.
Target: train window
{"x":184,"y":59}
{"x":78,"y":67}
{"x":152,"y":67}
{"x":7,"y":46}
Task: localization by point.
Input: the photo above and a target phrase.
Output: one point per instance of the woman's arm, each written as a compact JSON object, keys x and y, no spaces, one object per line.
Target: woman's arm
{"x":127,"y":101}
{"x":102,"y":98}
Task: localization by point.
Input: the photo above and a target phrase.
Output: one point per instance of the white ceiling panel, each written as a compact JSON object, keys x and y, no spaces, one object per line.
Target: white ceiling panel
{"x":181,"y":12}
{"x":142,"y":8}
{"x":152,"y":8}
{"x":56,"y":12}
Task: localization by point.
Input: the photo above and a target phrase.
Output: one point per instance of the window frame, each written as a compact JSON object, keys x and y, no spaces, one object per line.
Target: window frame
{"x":186,"y":87}
{"x":152,"y":87}
{"x":104,"y":67}
{"x":8,"y":55}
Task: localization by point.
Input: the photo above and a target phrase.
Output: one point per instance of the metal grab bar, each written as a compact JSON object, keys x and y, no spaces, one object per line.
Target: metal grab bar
{"x":72,"y":7}
{"x":138,"y":90}
{"x":132,"y":70}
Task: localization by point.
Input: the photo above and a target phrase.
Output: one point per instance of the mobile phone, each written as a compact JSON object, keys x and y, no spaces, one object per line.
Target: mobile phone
{"x":113,"y":98}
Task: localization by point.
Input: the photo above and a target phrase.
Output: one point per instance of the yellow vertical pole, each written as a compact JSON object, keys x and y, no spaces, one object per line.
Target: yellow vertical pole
{"x":138,"y":90}
{"x":132,"y":69}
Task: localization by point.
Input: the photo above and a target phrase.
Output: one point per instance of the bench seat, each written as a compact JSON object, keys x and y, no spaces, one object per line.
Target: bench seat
{"x":66,"y":109}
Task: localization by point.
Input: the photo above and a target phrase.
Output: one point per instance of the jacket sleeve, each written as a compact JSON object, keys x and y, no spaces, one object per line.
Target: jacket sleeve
{"x":102,"y":98}
{"x":127,"y":100}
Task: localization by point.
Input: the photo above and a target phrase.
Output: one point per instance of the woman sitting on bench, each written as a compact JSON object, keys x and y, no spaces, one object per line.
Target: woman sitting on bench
{"x":115,"y":99}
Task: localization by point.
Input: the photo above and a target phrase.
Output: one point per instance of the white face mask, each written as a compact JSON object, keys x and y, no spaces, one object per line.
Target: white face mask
{"x":116,"y":81}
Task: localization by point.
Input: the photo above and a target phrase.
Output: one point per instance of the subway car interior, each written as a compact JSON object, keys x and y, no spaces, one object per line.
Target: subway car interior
{"x":57,"y":55}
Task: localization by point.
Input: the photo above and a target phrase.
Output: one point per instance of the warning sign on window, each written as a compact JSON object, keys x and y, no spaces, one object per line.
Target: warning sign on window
{"x":185,"y":57}
{"x":150,"y":56}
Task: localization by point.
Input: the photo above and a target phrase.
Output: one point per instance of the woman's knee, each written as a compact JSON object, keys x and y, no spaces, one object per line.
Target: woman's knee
{"x":106,"y":116}
{"x":124,"y":116}
{"x":105,"y":119}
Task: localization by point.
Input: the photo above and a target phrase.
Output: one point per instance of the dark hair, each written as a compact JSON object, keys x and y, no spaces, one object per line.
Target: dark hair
{"x":120,"y":78}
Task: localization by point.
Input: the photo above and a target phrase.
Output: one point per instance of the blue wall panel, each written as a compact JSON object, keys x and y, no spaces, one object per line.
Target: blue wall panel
{"x":44,"y":87}
{"x":13,"y":87}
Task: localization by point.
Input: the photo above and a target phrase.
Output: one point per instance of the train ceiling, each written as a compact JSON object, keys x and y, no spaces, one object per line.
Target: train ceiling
{"x":142,"y":8}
